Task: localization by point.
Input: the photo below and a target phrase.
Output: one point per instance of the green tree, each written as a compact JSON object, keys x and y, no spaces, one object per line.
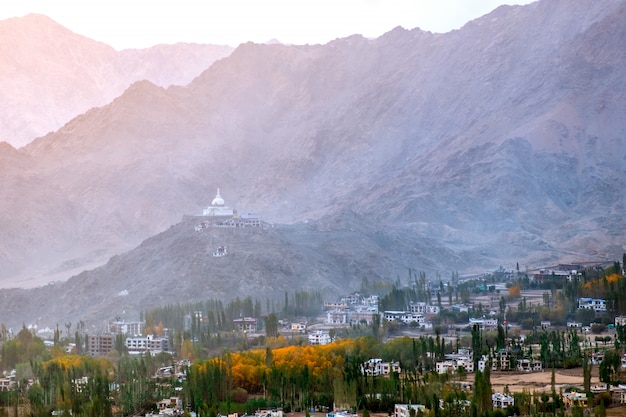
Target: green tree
{"x":271,"y":325}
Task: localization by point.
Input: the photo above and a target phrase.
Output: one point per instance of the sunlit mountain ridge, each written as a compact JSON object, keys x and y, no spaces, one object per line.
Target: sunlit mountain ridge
{"x":49,"y":75}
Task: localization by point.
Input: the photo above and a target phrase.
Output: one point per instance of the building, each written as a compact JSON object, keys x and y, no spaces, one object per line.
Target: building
{"x":361,"y":316}
{"x":404,"y":410}
{"x":242,"y":220}
{"x":620,"y":321}
{"x":452,"y":365}
{"x":484,"y":323}
{"x":7,"y":382}
{"x":320,"y":337}
{"x":337,"y":317}
{"x":245,"y":324}
{"x":122,"y":327}
{"x":140,"y":345}
{"x":500,"y":361}
{"x":421,"y":307}
{"x":218,"y":209}
{"x":100,"y":345}
{"x":546,"y":275}
{"x":376,"y":367}
{"x":502,"y":400}
{"x":529,"y":365}
{"x":341,"y":305}
{"x":596,"y":304}
{"x":404,"y":317}
{"x":574,"y":398}
{"x":299,"y":327}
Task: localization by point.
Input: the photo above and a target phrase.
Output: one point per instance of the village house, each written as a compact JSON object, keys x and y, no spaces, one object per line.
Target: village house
{"x":245,"y":324}
{"x":376,"y":367}
{"x":169,"y":407}
{"x":502,"y":400}
{"x":299,"y":327}
{"x":7,"y":382}
{"x":500,"y":361}
{"x":453,"y":365}
{"x":404,"y":317}
{"x":404,"y":410}
{"x":421,"y":307}
{"x":320,"y":337}
{"x":484,"y":323}
{"x":361,"y":316}
{"x":596,"y":304}
{"x":337,"y":317}
{"x":529,"y":365}
{"x":574,"y":398}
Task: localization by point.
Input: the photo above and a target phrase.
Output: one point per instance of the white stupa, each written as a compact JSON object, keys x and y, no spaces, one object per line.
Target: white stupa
{"x":217,"y":208}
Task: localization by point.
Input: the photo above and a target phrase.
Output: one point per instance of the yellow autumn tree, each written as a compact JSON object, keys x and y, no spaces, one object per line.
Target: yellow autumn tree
{"x":515,"y":291}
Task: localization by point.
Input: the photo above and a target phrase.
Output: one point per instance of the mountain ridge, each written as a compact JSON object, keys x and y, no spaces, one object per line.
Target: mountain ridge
{"x":50,"y":74}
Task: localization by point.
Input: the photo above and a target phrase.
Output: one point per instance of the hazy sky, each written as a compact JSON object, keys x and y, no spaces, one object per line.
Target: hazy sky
{"x":142,"y":23}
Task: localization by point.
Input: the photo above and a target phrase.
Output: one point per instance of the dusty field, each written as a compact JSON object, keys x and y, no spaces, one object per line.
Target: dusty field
{"x":538,"y":381}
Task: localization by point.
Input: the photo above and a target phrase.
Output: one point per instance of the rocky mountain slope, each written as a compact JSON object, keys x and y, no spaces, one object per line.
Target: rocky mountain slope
{"x":178,"y":266}
{"x":48,"y":74}
{"x":498,"y":143}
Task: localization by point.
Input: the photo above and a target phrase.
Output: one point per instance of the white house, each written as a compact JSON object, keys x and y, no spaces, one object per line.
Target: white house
{"x":453,"y":364}
{"x":337,"y":317}
{"x":502,"y":400}
{"x":596,"y":304}
{"x":319,"y":337}
{"x":404,"y":410}
{"x":377,"y":367}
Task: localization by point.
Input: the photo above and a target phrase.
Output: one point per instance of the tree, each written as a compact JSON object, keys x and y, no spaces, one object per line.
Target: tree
{"x":515,"y":291}
{"x":609,"y":366}
{"x":271,"y":325}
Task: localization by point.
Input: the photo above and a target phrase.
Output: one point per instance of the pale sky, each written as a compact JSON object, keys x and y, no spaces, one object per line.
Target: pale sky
{"x":143,"y":23}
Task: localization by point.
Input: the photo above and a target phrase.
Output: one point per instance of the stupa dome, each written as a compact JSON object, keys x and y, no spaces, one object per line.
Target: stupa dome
{"x":218,"y":200}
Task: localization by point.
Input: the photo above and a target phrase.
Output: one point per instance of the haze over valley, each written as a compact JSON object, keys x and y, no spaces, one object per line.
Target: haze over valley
{"x":499,"y":143}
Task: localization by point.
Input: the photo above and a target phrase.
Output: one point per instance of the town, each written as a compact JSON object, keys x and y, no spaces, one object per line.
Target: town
{"x":502,"y":343}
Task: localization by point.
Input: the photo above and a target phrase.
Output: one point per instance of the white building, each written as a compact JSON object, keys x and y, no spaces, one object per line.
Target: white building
{"x":218,"y":214}
{"x":452,"y":365}
{"x":484,"y":323}
{"x":404,"y":317}
{"x":377,"y":367}
{"x":529,"y":365}
{"x":337,"y":317}
{"x":404,"y":410}
{"x":122,"y":327}
{"x":246,"y":324}
{"x":596,"y":304}
{"x":502,"y":400}
{"x":421,"y":307}
{"x":320,"y":337}
{"x":149,"y":343}
{"x":217,"y":208}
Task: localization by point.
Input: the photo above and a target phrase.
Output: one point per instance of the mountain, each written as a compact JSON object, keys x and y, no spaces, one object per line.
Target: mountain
{"x":48,"y":74}
{"x":499,"y":143}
